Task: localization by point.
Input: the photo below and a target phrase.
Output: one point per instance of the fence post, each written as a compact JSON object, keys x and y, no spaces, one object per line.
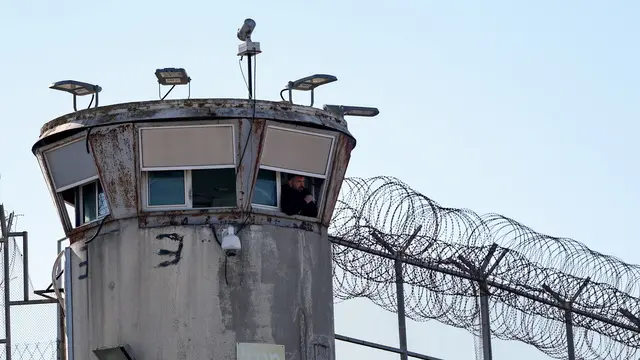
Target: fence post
{"x":402,"y":324}
{"x":482,"y":274}
{"x":25,"y":266}
{"x":567,"y":305}
{"x":7,"y":294}
{"x":399,"y":278}
{"x":485,"y":322}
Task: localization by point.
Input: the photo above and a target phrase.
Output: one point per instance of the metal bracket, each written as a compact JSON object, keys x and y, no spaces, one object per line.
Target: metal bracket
{"x":566,"y":304}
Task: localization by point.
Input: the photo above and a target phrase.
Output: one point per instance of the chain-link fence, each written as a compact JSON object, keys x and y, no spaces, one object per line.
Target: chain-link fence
{"x":33,"y":326}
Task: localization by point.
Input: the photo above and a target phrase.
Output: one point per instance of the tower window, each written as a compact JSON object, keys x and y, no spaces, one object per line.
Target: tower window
{"x":86,"y":203}
{"x":166,"y":188}
{"x":186,"y":189}
{"x":188,"y":166}
{"x":213,"y":188}
{"x":268,"y":191}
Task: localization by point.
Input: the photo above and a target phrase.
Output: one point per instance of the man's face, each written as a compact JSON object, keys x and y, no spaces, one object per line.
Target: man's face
{"x":297,"y":183}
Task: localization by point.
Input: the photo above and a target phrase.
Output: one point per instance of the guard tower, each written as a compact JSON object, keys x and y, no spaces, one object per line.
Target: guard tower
{"x":180,"y":248}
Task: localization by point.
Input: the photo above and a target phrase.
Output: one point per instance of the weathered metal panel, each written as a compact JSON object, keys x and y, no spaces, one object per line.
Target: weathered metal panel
{"x":171,"y":294}
{"x":68,"y":304}
{"x":190,"y":110}
{"x":115,"y":155}
{"x":60,"y":208}
{"x":342,"y":155}
{"x":249,"y":149}
{"x":205,"y":217}
{"x":81,"y":310}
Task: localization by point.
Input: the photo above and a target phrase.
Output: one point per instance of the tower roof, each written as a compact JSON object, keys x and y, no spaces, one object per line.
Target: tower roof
{"x":176,"y":110}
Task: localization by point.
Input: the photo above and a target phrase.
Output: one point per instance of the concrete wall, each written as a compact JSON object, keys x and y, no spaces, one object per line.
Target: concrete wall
{"x":193,"y":302}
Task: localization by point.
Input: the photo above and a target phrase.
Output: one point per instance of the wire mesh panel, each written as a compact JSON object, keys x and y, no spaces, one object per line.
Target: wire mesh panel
{"x":33,"y":326}
{"x":34,"y":351}
{"x":33,"y":332}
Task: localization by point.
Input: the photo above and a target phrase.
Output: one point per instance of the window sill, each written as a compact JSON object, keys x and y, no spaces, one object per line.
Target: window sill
{"x":186,"y":210}
{"x":273,"y":211}
{"x":77,"y":232}
{"x":91,"y":223}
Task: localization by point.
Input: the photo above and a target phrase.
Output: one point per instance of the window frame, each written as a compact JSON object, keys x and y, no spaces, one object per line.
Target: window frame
{"x":186,"y":175}
{"x":279,"y":171}
{"x":68,"y":223}
{"x":278,"y":192}
{"x":298,"y":172}
{"x":187,"y":171}
{"x":277,"y":208}
{"x":45,"y":158}
{"x":78,"y":208}
{"x":187,"y":167}
{"x":188,"y":192}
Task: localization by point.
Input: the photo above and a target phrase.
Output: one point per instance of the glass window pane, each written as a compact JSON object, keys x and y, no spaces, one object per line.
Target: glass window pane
{"x":103,"y":206}
{"x":89,"y":202}
{"x":166,"y":188}
{"x":214,"y":188}
{"x":266,"y":192}
{"x":316,"y":185}
{"x":70,"y":198}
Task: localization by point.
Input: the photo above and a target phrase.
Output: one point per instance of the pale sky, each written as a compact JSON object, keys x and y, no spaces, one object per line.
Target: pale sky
{"x":528,"y":108}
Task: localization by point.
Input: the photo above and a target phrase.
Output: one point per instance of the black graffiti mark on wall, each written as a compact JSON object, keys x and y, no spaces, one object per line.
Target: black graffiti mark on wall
{"x":84,"y":264}
{"x":177,"y":254}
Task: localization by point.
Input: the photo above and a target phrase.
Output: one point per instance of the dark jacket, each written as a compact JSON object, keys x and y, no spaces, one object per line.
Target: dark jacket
{"x":292,"y":202}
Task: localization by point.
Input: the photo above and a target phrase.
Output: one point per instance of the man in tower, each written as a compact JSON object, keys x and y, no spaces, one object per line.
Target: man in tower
{"x":296,"y":199}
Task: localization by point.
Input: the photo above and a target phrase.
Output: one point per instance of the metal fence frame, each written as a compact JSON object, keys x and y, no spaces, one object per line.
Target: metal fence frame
{"x":478,"y":275}
{"x":6,"y":235}
{"x":397,"y":258}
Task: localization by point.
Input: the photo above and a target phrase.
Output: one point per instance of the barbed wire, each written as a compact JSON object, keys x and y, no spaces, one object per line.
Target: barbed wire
{"x":447,"y":253}
{"x":32,"y":351}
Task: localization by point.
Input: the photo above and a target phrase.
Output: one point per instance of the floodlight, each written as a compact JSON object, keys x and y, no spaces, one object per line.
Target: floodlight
{"x":120,"y":352}
{"x":309,"y":83}
{"x":77,"y":88}
{"x":173,"y":77}
{"x":342,"y":110}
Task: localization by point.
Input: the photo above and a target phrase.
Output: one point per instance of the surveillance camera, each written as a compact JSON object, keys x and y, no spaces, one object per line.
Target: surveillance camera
{"x":230,"y":242}
{"x":244,"y":33}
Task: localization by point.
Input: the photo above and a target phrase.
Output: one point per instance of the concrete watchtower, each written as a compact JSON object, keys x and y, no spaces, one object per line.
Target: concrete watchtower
{"x":151,"y":194}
